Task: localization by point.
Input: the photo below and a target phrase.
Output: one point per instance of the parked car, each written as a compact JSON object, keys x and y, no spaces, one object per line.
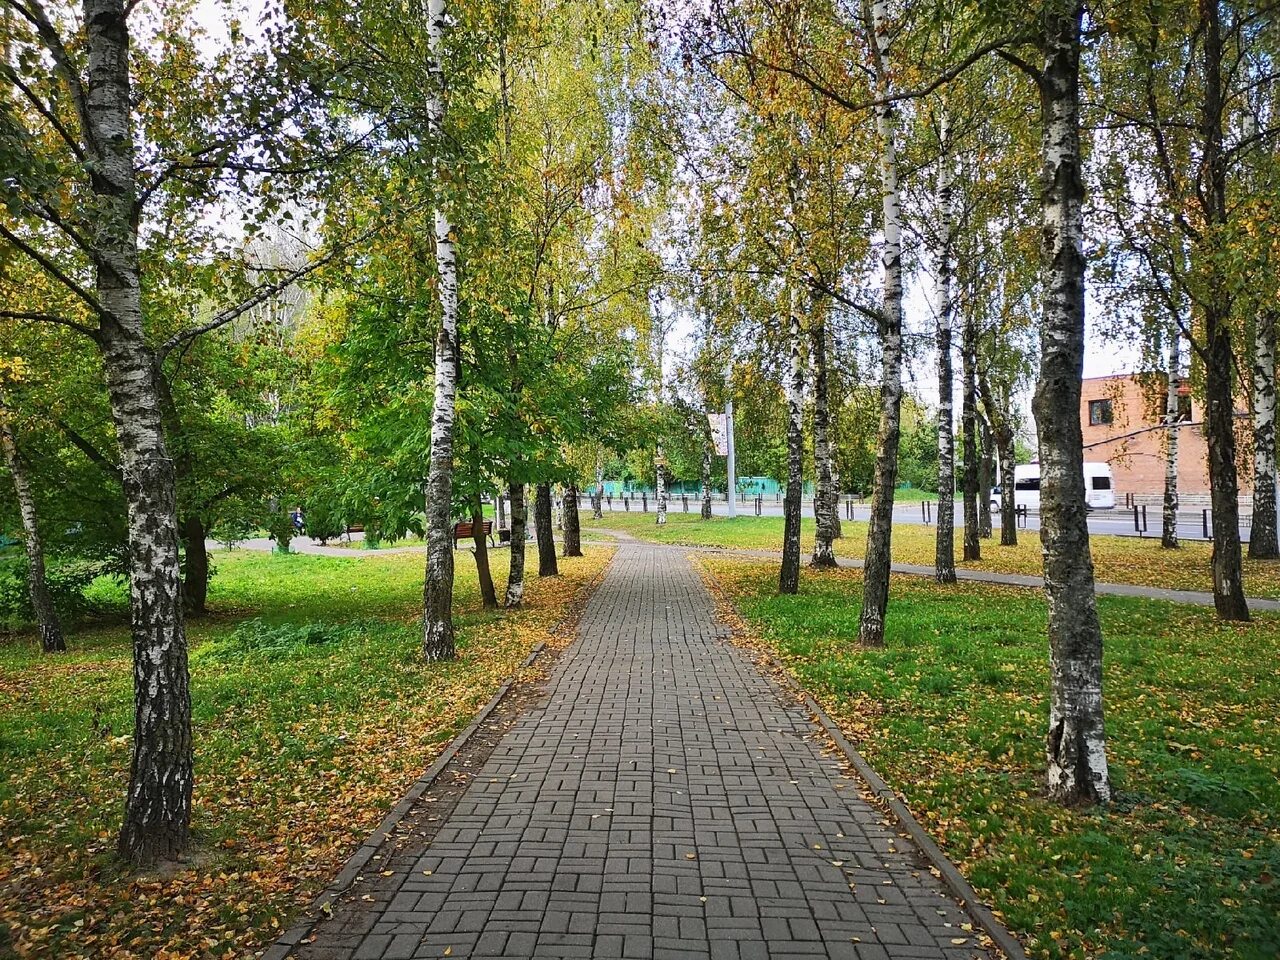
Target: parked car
{"x":1098,"y":490}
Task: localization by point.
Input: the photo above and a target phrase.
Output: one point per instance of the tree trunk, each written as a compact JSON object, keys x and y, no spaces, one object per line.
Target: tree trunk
{"x":547,"y":566}
{"x":52,"y":639}
{"x":1262,"y":535}
{"x":986,"y":477}
{"x":488,"y":595}
{"x":969,"y":430}
{"x":1076,"y":743}
{"x":789,"y":576}
{"x":1228,"y":582}
{"x":875,"y":573}
{"x":706,"y":470}
{"x":437,"y":608}
{"x":1008,"y":506}
{"x":519,"y":519}
{"x":1169,"y":527}
{"x":572,"y":526}
{"x":597,"y":502}
{"x":824,"y":503}
{"x":660,"y":488}
{"x":157,"y":811}
{"x":945,"y":547}
{"x":195,"y":581}
{"x":500,"y":511}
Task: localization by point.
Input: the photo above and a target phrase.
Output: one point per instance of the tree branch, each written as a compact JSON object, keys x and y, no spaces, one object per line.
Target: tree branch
{"x":52,"y":269}
{"x":50,"y":318}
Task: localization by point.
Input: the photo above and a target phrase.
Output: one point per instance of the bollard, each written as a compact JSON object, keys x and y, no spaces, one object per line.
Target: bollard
{"x":644,"y":502}
{"x":758,"y":499}
{"x":1144,"y":518}
{"x":685,"y":498}
{"x":1204,"y":519}
{"x":626,"y":502}
{"x":1137,"y":528}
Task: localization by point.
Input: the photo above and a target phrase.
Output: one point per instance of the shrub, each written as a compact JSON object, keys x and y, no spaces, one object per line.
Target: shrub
{"x":68,"y":578}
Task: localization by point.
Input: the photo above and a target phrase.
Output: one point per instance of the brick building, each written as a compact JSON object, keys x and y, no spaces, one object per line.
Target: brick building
{"x":1121,"y":418}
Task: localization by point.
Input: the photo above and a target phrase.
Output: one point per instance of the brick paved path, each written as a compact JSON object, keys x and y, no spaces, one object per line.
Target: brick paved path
{"x":666,"y":801}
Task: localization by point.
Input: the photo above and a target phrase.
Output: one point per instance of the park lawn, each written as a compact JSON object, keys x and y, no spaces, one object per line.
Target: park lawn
{"x":301,"y":748}
{"x":952,"y":713}
{"x":1132,"y":560}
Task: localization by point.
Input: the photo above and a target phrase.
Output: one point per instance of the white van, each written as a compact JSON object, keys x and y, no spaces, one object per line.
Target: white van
{"x":1098,"y":492}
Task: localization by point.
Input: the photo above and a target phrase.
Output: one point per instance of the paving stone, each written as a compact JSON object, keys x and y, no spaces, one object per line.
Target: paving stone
{"x":665,"y":800}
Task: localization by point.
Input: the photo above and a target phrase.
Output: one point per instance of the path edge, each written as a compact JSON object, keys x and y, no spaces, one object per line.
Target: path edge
{"x":281,"y":947}
{"x":948,"y":873}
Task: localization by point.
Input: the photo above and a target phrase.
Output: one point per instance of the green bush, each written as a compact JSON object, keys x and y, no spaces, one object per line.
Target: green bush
{"x":68,"y":579}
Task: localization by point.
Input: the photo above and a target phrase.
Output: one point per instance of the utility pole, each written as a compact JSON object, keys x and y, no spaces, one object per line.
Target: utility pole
{"x":732,"y":478}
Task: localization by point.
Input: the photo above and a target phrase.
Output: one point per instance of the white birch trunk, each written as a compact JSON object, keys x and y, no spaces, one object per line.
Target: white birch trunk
{"x":660,"y":487}
{"x":1262,"y":533}
{"x":52,"y":639}
{"x":437,"y":619}
{"x":944,"y":553}
{"x":789,"y":575}
{"x":1076,"y":743}
{"x":824,"y":494}
{"x":1169,"y":531}
{"x":876,"y":567}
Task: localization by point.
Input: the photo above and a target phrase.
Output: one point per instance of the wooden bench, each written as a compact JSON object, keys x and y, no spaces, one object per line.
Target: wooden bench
{"x":465,"y":530}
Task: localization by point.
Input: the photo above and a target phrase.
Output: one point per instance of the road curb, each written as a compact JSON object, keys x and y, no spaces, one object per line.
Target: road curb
{"x":951,"y":877}
{"x":285,"y":943}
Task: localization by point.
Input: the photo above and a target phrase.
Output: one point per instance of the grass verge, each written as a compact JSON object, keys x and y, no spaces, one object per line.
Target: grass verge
{"x":952,"y":713}
{"x":312,"y":714}
{"x":1116,"y":559}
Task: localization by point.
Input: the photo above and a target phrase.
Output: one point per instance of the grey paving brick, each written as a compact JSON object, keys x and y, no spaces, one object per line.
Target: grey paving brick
{"x":665,"y":800}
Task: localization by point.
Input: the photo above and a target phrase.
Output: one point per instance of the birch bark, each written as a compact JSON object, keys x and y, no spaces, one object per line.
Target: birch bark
{"x":789,"y":576}
{"x":1262,"y":533}
{"x":437,"y":617}
{"x":597,"y":502}
{"x":824,"y":494}
{"x":875,"y":598}
{"x":48,"y":624}
{"x":660,"y":487}
{"x":1172,"y":419}
{"x":944,"y":305}
{"x":1076,"y":744}
{"x":157,"y":810}
{"x":519,"y":522}
{"x":969,"y":429}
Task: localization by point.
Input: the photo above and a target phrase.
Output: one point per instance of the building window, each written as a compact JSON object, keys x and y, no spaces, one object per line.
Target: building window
{"x":1184,"y":407}
{"x":1100,"y":413}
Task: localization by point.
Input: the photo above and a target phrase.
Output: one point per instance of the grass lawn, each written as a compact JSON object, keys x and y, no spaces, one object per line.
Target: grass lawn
{"x":1115,"y":559}
{"x":1185,"y":864}
{"x":312,"y":715}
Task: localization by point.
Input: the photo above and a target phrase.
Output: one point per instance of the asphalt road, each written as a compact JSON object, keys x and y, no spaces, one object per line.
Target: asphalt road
{"x":1118,"y":522}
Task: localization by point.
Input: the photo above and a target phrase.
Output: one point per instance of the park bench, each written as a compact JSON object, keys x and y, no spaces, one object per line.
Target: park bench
{"x":465,"y":530}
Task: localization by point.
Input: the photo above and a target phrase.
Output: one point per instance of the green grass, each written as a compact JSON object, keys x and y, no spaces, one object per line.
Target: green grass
{"x":1116,"y":559}
{"x":952,"y":712}
{"x":309,"y":721}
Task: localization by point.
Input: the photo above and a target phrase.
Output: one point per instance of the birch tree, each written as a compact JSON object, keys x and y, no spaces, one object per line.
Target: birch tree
{"x":944,"y":309}
{"x":875,"y":571}
{"x":826,"y":493}
{"x":437,"y":616}
{"x":789,"y":575}
{"x":514,"y":596}
{"x":48,"y":623}
{"x":1262,"y":532}
{"x":1172,"y":419}
{"x":1076,"y":744}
